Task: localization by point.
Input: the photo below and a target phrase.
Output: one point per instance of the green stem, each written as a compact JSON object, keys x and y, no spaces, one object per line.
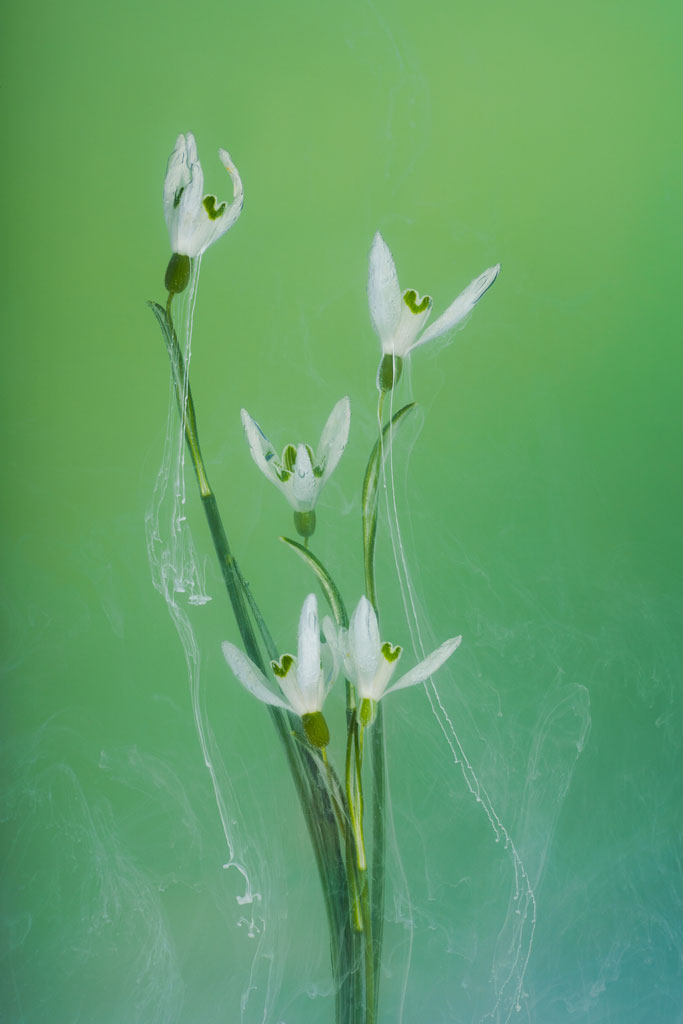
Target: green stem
{"x":371,"y":483}
{"x":309,"y":779}
{"x":353,"y":792}
{"x":369,"y":494}
{"x":363,"y":912}
{"x":378,"y":771}
{"x":371,"y":993}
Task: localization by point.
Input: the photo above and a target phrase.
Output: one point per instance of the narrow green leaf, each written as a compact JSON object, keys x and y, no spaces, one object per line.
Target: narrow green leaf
{"x":160,"y":314}
{"x":329,"y":586}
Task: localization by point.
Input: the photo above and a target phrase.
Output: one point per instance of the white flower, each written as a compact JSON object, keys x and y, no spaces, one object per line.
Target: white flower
{"x":370,"y":663}
{"x":301,"y":473}
{"x":398,"y":317}
{"x":196,"y":220}
{"x":303,"y":681}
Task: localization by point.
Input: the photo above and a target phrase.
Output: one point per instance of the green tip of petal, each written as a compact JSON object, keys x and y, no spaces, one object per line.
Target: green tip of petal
{"x":391,"y":653}
{"x":316,"y":729}
{"x":410,"y":299}
{"x":209,"y":204}
{"x":282,"y":667}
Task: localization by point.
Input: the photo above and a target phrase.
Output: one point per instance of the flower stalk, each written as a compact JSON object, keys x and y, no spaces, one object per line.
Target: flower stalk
{"x":308,"y":772}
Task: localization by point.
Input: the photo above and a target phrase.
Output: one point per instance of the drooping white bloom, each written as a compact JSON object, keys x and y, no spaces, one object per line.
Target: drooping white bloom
{"x":303,"y":680}
{"x":369,"y":663}
{"x":301,"y":473}
{"x":399,"y":317}
{"x":196,"y":220}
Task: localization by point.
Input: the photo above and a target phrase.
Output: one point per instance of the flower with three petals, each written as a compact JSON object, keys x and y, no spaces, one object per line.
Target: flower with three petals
{"x":399,"y":317}
{"x":369,"y":663}
{"x":195,"y":221}
{"x":301,"y":473}
{"x":303,"y":681}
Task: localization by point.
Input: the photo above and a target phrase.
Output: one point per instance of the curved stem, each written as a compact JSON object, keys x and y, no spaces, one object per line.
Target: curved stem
{"x":371,"y":484}
{"x":307,"y":772}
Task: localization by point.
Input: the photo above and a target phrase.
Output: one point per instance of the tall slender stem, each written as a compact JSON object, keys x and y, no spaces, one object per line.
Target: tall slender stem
{"x":307,"y":772}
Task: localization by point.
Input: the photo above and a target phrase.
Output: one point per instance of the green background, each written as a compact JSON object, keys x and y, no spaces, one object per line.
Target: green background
{"x":539,"y":500}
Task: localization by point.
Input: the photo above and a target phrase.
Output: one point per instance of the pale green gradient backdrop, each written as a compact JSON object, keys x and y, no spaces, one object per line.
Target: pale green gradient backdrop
{"x":544,"y":492}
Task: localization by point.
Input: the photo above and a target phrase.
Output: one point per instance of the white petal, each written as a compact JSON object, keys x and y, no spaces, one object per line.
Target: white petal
{"x":330,"y":667}
{"x":463,"y":305}
{"x":262,"y":451}
{"x":331,"y":630}
{"x":305,"y":484}
{"x":251,"y":678}
{"x":177,"y":177}
{"x":384,"y":294}
{"x":427,"y":667}
{"x":308,"y":672}
{"x":235,"y":207}
{"x":338,"y":641}
{"x":364,"y":643}
{"x":191,"y":146}
{"x":206,"y":229}
{"x":289,"y":685}
{"x":376,"y":688}
{"x":334,"y":437}
{"x":409,"y":324}
{"x":190,"y":208}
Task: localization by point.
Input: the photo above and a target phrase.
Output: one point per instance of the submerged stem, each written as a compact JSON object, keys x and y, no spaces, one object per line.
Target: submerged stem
{"x":371,"y":483}
{"x":307,"y":771}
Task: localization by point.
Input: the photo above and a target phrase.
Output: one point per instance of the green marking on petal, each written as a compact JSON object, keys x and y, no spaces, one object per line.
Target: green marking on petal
{"x":209,"y":204}
{"x":410,"y":299}
{"x":289,"y":457}
{"x":283,"y":475}
{"x":318,"y":471}
{"x":282,"y":667}
{"x":177,"y":197}
{"x":391,"y":653}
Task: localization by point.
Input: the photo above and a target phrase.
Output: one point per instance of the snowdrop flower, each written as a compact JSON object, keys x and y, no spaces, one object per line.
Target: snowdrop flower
{"x":399,"y":317}
{"x":302,"y":680}
{"x":194,"y":220}
{"x":369,"y":663}
{"x":301,"y":473}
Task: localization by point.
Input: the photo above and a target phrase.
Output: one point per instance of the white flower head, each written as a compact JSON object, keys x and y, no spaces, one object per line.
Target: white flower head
{"x":369,"y":663}
{"x":301,"y":473}
{"x":196,"y":220}
{"x":303,"y":680}
{"x":399,"y":317}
